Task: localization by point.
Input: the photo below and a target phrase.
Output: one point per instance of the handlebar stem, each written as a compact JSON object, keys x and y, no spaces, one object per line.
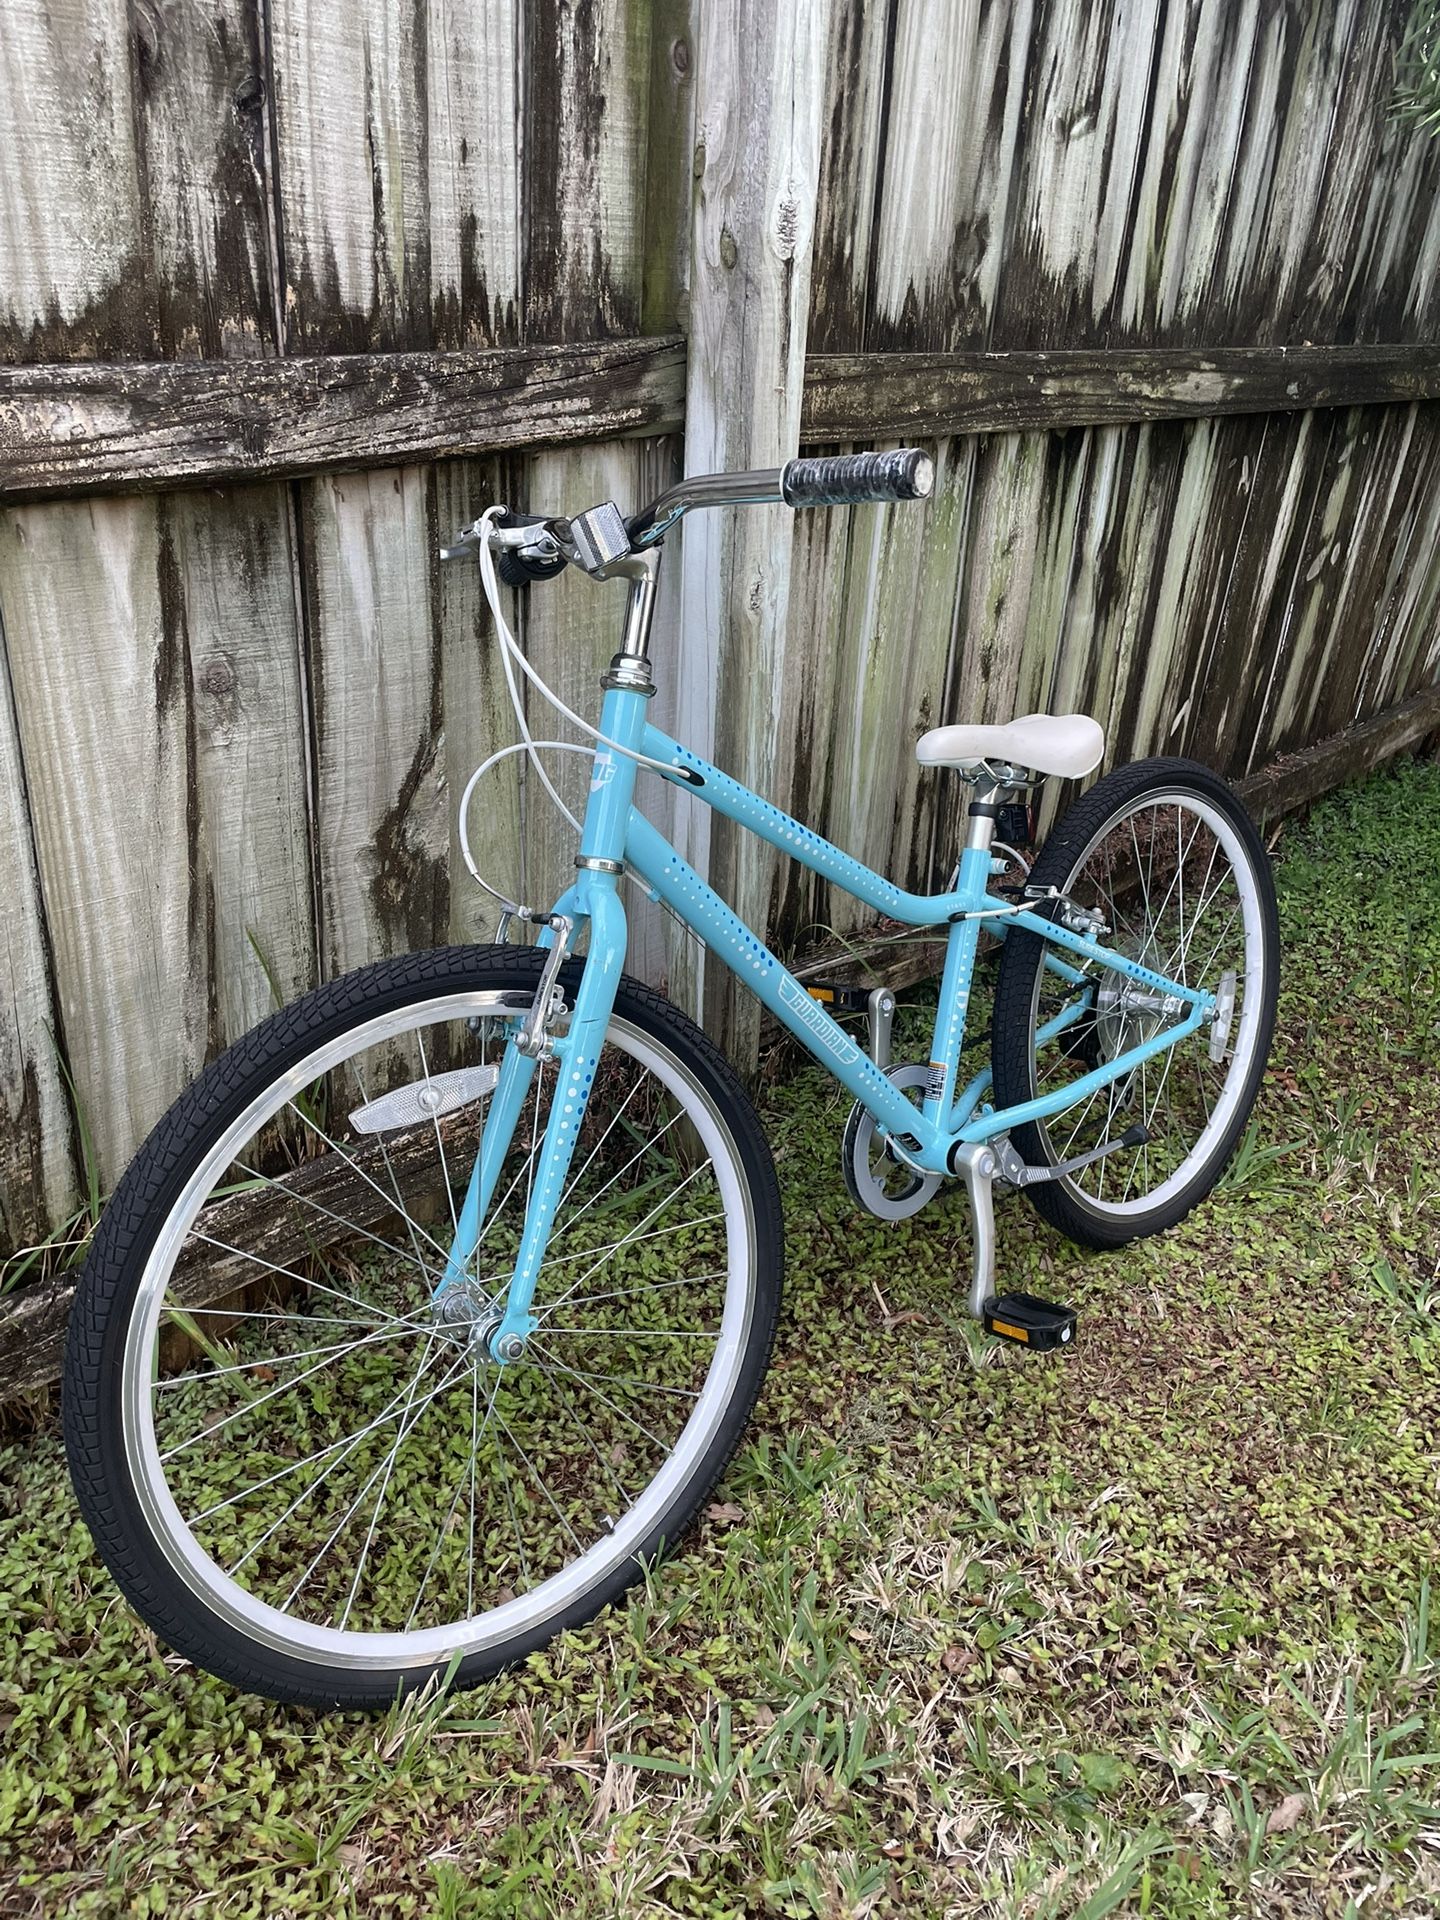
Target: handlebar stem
{"x":642,"y":571}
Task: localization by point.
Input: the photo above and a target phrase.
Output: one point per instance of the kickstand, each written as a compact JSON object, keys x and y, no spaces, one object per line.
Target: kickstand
{"x":976,"y":1165}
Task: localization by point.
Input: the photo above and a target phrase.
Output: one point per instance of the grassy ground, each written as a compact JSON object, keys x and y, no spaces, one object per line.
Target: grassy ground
{"x":1143,"y":1628}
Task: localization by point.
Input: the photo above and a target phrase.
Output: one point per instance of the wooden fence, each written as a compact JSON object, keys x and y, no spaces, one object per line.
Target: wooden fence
{"x":289,"y":292}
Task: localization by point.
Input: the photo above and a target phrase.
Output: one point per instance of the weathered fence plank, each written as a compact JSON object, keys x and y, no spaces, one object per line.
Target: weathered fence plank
{"x":1295,"y":779}
{"x":669,"y":147}
{"x":1051,"y":173}
{"x":382,"y":802}
{"x":85,"y":429}
{"x":71,"y":194}
{"x":228,"y":574}
{"x":73,"y":429}
{"x":38,"y":1175}
{"x":476,"y":710}
{"x":108,"y":755}
{"x":206,"y":231}
{"x":857,"y":74}
{"x":586,"y":76}
{"x":154,"y":665}
{"x":350,"y":116}
{"x":758,"y":91}
{"x":856,"y":396}
{"x":473,"y":173}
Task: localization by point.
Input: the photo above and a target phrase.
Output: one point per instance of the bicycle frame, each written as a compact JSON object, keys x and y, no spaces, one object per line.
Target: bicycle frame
{"x":617,"y":835}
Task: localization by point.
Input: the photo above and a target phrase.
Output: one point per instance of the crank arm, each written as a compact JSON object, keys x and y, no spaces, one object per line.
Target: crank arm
{"x":1016,"y":1172}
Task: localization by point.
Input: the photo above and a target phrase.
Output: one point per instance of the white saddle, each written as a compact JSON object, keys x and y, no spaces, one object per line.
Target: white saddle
{"x":1062,"y":743}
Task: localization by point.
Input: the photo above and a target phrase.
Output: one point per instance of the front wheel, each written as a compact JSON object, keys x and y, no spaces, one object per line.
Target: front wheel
{"x":305,"y":1471}
{"x":1170,"y":859}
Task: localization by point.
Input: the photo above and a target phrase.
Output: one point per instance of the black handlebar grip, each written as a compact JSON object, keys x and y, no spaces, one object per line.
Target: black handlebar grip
{"x":850,"y":479}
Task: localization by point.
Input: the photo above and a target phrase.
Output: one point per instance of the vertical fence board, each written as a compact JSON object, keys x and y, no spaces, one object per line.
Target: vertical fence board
{"x":749,"y":306}
{"x":857,"y":72}
{"x":473,"y":173}
{"x":803,"y":772}
{"x":200,"y":125}
{"x":230,"y":560}
{"x":669,"y":144}
{"x":1046,"y":173}
{"x":109,"y":757}
{"x":382,"y":799}
{"x":71,"y":194}
{"x":477,"y":712}
{"x":587,"y":75}
{"x":894,"y":646}
{"x":38,"y":1175}
{"x":949,"y":149}
{"x":350,"y":112}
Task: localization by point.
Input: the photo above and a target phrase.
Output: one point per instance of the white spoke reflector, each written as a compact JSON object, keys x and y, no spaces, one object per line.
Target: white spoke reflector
{"x":424,"y":1099}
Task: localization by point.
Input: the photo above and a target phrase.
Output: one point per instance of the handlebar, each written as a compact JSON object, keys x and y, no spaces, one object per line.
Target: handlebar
{"x":595,"y":540}
{"x":845,"y":480}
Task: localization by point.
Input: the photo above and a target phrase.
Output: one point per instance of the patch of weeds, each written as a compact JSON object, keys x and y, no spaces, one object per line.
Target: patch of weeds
{"x":1141,"y":1629}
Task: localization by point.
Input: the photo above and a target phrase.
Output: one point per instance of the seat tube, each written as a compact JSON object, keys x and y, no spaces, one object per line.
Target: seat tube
{"x":959,"y":974}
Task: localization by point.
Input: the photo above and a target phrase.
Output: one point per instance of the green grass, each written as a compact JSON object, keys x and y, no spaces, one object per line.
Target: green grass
{"x":1146,"y":1628}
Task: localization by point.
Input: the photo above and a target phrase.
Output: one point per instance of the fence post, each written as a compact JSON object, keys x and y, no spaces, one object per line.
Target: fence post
{"x":760,"y":88}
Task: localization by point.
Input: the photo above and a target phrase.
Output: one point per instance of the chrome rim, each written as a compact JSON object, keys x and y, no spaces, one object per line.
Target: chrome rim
{"x":332,"y":1464}
{"x":1173,"y":879}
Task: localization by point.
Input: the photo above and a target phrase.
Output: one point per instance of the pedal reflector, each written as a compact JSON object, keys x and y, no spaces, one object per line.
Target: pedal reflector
{"x":1038,"y":1324}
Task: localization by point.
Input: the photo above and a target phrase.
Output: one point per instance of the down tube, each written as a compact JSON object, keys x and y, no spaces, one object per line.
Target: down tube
{"x":727,"y":936}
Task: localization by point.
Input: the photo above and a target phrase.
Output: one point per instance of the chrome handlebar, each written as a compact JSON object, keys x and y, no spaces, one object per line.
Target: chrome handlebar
{"x":600,"y":537}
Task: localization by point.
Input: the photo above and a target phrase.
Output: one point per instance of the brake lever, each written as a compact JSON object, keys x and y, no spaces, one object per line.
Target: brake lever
{"x":535,"y":539}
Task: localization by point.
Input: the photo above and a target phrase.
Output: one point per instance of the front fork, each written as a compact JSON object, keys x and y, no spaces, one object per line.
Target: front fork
{"x":595,"y":900}
{"x":576,"y":1054}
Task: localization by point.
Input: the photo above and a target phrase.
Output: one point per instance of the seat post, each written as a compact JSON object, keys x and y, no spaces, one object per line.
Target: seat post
{"x":984,"y":810}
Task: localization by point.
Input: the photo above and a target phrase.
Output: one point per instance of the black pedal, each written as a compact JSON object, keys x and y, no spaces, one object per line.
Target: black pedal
{"x":1038,"y":1324}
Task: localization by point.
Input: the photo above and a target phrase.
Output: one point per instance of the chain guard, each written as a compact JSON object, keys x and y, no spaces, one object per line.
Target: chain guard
{"x":876,"y":1180}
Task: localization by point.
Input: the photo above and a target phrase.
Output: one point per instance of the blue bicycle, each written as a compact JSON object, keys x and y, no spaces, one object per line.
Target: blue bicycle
{"x":434,"y":1310}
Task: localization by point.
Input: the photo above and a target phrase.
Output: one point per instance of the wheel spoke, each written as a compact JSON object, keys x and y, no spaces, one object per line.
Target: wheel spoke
{"x":264,"y":1399}
{"x":355,"y":1167}
{"x":1192,"y":902}
{"x":305,"y":1279}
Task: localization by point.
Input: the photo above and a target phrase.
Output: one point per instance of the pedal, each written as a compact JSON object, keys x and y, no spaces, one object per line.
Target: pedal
{"x":1041,"y":1325}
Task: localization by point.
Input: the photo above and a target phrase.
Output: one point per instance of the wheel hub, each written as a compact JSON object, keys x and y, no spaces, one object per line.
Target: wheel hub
{"x":469,"y":1316}
{"x":1126,"y":1013}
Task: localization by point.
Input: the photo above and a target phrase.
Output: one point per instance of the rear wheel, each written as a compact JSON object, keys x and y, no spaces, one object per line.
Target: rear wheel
{"x":1168,"y":856}
{"x":310,"y":1477}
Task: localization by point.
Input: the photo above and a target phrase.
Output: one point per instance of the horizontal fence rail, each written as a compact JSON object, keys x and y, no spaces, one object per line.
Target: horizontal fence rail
{"x":152,"y":425}
{"x":847,"y":395}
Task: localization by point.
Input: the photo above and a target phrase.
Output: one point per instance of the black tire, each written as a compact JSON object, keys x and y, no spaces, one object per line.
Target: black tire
{"x":1066,"y":1203}
{"x":168,"y":1164}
